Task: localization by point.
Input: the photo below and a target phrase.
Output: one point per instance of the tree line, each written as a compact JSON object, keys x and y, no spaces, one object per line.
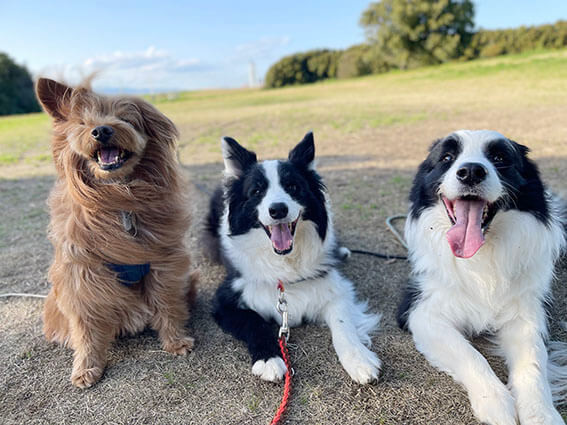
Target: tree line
{"x":17,"y":94}
{"x":405,"y":34}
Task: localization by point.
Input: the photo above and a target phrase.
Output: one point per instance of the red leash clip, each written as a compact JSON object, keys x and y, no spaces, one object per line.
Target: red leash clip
{"x":283,"y":337}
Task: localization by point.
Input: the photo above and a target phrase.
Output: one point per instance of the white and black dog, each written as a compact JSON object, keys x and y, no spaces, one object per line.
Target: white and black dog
{"x":271,"y":221}
{"x":483,"y":236}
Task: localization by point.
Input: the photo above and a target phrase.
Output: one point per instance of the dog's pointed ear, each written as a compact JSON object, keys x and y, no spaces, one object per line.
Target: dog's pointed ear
{"x":236,"y":158}
{"x":303,"y":155}
{"x":156,"y":125}
{"x":54,"y":97}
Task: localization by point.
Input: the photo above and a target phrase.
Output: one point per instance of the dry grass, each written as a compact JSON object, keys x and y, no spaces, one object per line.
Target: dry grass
{"x":370,"y":135}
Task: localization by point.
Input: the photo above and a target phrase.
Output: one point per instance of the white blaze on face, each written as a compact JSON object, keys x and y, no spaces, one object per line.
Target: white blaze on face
{"x":276,"y":194}
{"x":466,"y":235}
{"x":281,"y":229}
{"x":473,"y":144}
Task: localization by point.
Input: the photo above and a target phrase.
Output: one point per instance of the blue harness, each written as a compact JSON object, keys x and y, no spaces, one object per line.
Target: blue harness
{"x":130,"y":274}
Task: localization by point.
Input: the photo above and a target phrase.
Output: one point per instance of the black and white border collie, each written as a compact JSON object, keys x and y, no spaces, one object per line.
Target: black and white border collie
{"x":272,"y":221}
{"x":483,"y":237}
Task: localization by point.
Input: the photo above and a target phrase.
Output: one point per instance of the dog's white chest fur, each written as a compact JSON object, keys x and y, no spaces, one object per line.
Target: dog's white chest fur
{"x":481,"y":292}
{"x":261,"y":269}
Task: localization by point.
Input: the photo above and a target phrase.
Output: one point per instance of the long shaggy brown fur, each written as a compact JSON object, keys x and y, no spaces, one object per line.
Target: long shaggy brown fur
{"x":88,"y":306}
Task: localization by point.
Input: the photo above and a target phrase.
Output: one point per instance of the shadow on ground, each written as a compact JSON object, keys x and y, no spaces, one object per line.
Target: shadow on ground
{"x":213,"y":385}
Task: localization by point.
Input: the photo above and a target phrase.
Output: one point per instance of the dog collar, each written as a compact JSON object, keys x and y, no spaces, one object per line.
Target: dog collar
{"x":130,"y":274}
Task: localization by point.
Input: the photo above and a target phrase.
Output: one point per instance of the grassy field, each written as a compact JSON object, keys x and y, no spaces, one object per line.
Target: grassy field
{"x":370,"y":135}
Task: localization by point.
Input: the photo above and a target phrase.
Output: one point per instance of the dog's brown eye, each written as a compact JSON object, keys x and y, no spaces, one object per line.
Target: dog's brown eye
{"x":291,"y":188}
{"x":448,"y":157}
{"x":497,"y":158}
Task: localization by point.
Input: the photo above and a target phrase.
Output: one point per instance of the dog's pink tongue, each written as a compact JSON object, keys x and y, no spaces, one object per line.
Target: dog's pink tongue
{"x":108,"y":154}
{"x":465,"y":237}
{"x":281,"y":237}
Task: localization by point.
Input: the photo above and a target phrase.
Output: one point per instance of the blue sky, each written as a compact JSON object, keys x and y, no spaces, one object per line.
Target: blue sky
{"x":156,"y":46}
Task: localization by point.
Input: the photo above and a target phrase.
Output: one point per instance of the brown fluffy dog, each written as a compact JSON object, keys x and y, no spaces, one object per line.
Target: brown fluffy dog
{"x":118,"y":200}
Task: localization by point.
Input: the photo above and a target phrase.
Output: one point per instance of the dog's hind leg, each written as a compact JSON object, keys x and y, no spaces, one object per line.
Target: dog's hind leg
{"x":249,"y":327}
{"x":522,"y":344}
{"x":448,"y":350}
{"x":167,"y":294}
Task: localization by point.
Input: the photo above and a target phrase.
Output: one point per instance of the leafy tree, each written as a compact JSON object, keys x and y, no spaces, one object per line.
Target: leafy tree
{"x":410,"y":33}
{"x":354,"y":62}
{"x":302,"y":68}
{"x":17,"y":94}
{"x":487,"y":43}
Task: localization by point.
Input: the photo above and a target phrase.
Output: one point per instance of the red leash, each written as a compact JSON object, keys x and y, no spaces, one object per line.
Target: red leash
{"x":287,"y":385}
{"x":283,"y":337}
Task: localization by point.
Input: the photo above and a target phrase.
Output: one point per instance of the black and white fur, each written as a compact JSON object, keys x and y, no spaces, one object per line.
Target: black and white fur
{"x":255,"y":198}
{"x":501,"y":290}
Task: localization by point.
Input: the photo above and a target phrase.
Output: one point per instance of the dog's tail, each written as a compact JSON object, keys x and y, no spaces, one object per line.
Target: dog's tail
{"x":557,"y":371}
{"x":211,"y":234}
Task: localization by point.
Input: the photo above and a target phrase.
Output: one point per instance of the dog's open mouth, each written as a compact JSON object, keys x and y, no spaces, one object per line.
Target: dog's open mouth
{"x":281,"y":235}
{"x":111,"y":157}
{"x":470,"y":217}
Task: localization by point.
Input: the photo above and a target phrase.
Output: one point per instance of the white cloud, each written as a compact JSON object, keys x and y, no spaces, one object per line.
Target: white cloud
{"x":151,"y":69}
{"x":155,"y":70}
{"x":151,"y":59}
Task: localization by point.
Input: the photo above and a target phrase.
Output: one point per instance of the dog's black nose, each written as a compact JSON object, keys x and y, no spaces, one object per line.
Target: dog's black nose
{"x":471,"y":173}
{"x":278,"y":210}
{"x":102,"y":133}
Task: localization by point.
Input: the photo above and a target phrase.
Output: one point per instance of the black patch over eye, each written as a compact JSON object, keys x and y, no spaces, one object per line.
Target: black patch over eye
{"x":499,"y":153}
{"x":291,"y":188}
{"x":447,"y":157}
{"x":256,"y":190}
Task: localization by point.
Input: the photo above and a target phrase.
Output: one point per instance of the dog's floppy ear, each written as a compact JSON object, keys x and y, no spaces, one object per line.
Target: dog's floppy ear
{"x":54,"y":97}
{"x":434,"y":144}
{"x":236,"y":158}
{"x":156,"y":125}
{"x":523,"y":150}
{"x":303,"y":155}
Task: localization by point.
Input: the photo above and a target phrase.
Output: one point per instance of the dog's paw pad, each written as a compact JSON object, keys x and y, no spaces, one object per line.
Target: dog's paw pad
{"x":362,"y":365}
{"x":85,"y":378}
{"x":272,"y":370}
{"x":180,"y":346}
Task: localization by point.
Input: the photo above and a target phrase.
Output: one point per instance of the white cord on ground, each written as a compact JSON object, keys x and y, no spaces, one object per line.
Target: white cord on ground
{"x":14,"y":294}
{"x":392,"y":229}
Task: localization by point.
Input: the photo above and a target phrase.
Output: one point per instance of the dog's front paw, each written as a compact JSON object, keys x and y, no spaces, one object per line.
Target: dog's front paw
{"x":271,"y":370}
{"x":180,"y":346}
{"x":361,"y":364}
{"x":85,"y":378}
{"x":495,"y":406}
{"x":534,"y":412}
